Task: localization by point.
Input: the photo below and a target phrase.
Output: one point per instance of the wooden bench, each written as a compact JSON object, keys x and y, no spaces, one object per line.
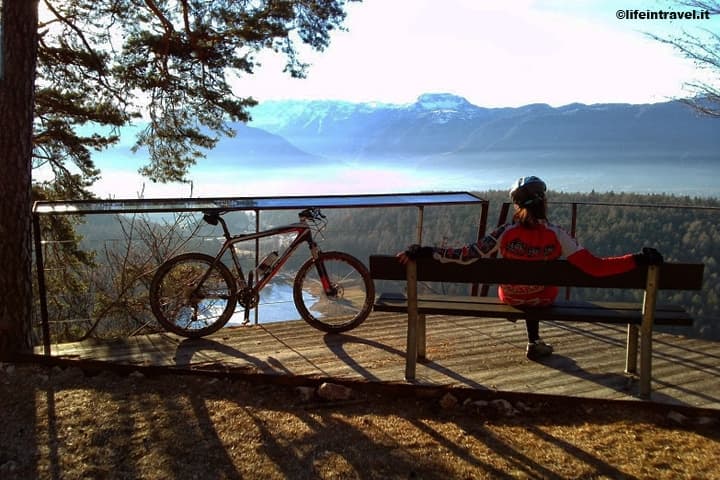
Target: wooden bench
{"x":640,"y":317}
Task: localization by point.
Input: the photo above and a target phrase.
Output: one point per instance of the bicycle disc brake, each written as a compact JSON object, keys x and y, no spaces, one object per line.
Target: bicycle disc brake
{"x":248,"y":297}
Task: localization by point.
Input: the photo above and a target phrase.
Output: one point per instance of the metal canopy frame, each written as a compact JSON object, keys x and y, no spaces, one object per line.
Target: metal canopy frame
{"x":79,"y":207}
{"x":256,"y":204}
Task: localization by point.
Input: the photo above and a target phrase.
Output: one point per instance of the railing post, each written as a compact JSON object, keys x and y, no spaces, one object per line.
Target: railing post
{"x":646,"y":329}
{"x":502,"y":219}
{"x":421,"y":211}
{"x":42,"y":289}
{"x":257,"y":260}
{"x":573,"y":229}
{"x":412,"y":330}
{"x":482,"y":231}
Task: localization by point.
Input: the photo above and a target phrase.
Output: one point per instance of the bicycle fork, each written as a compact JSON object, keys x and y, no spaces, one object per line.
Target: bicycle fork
{"x":329,"y":289}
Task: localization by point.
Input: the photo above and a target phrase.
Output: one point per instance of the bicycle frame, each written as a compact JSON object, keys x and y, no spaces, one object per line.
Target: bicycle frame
{"x":331,"y":304}
{"x":303,"y":234}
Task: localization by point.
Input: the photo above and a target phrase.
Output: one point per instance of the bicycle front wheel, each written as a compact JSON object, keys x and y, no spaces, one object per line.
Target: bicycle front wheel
{"x":192,"y":295}
{"x":334,"y":293}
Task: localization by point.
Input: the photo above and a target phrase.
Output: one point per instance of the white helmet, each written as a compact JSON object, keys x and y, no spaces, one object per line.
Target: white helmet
{"x":527,"y":191}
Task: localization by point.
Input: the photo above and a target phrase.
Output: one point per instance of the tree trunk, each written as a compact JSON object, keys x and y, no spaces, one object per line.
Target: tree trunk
{"x":18,"y":57}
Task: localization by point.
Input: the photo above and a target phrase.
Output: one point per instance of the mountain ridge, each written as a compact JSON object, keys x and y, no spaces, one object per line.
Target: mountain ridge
{"x":442,"y":125}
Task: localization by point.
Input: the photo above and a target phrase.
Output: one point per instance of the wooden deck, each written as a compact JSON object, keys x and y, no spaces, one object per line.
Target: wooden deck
{"x":478,"y":354}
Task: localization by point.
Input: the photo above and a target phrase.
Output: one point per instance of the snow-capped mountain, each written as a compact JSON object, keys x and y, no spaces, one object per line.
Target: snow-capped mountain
{"x":447,"y":128}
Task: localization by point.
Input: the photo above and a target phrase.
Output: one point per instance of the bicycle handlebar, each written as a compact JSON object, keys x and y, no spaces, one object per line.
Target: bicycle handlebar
{"x":311,"y":214}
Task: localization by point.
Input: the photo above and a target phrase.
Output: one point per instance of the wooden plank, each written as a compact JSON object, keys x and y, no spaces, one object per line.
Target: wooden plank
{"x":673,"y":276}
{"x":486,"y":355}
{"x":496,"y":301}
{"x":489,"y":307}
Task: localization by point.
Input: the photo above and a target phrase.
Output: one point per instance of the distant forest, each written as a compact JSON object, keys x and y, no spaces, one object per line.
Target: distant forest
{"x":120,"y":253}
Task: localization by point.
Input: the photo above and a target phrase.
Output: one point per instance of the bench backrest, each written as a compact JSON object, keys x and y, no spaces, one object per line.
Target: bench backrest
{"x":561,"y":273}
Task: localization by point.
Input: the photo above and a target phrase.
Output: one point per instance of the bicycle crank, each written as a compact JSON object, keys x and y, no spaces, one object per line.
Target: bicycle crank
{"x":248,"y":297}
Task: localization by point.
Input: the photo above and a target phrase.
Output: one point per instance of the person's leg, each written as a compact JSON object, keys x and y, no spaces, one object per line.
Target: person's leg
{"x":533,"y":330}
{"x":536,"y":348}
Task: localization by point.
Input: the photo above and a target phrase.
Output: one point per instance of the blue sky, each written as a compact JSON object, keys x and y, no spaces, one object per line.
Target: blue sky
{"x":493,"y":53}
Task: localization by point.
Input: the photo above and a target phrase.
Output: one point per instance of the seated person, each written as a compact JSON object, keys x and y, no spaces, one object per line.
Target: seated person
{"x":531,"y":237}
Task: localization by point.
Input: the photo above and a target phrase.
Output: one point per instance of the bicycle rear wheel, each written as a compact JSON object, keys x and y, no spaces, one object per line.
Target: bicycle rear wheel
{"x":193,"y":296}
{"x":351,"y":292}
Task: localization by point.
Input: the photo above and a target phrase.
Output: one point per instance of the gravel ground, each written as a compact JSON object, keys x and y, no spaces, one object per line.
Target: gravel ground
{"x":62,"y":424}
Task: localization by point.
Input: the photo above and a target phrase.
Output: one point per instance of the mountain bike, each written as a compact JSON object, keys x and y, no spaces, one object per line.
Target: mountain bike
{"x":195,"y":294}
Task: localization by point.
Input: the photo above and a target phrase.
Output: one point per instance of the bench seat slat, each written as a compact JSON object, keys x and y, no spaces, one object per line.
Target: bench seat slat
{"x":496,"y":301}
{"x":491,"y":307}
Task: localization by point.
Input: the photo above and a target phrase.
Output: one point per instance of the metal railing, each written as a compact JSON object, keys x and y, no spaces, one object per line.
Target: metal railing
{"x":256,"y":205}
{"x":571,"y":213}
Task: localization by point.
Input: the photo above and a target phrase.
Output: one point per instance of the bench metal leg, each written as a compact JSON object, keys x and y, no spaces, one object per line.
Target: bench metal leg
{"x":412,"y":331}
{"x":412,"y":350}
{"x":646,"y":329}
{"x":421,"y":339}
{"x":631,"y":349}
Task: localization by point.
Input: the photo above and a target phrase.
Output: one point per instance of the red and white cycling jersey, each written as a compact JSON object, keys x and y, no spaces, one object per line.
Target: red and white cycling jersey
{"x":542,"y":242}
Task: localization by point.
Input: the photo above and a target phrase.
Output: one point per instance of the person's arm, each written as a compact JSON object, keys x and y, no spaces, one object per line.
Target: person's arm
{"x":603,"y":266}
{"x":464,"y":255}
